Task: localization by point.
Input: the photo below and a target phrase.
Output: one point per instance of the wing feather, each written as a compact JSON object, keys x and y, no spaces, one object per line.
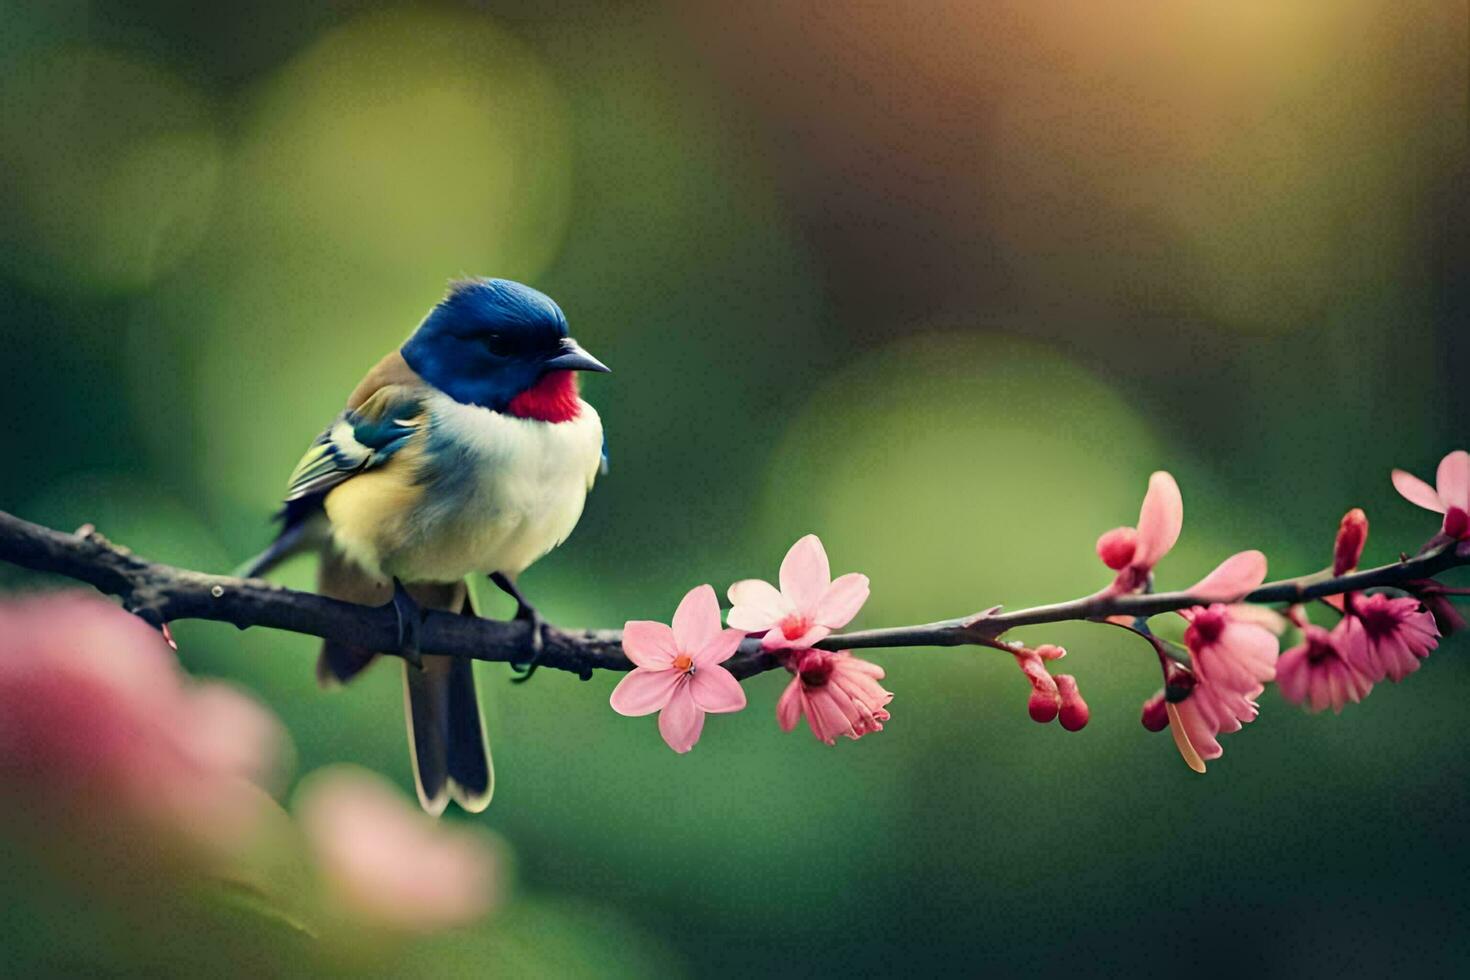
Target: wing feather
{"x":359,"y":439}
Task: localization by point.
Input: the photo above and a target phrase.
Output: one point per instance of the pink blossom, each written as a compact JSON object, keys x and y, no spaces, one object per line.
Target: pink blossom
{"x":838,"y":693}
{"x":1386,"y":637}
{"x":1450,"y":496}
{"x":1133,"y":552}
{"x":109,"y":741}
{"x":1315,"y":674}
{"x":1233,"y":659}
{"x":677,"y":669}
{"x":808,"y":606}
{"x":385,"y":863}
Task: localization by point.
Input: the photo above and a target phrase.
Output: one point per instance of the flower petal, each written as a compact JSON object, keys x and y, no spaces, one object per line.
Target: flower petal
{"x":1417,"y":492}
{"x":842,"y":600}
{"x":649,"y":644}
{"x":777,"y":640}
{"x":681,"y":721}
{"x":1232,"y":579}
{"x":805,"y":573}
{"x":1159,"y":520}
{"x":697,"y":620}
{"x":1453,"y":480}
{"x":644,"y":691}
{"x":788,"y":709}
{"x":756,"y":605}
{"x":1181,"y":739}
{"x":718,"y":650}
{"x":715,"y":689}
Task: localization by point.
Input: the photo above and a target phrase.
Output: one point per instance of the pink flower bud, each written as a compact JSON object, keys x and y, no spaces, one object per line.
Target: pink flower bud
{"x":1044,"y":706}
{"x":1117,"y":547}
{"x":1352,"y":534}
{"x":1050,"y":651}
{"x":1045,"y":702}
{"x":1074,"y":713}
{"x":1155,"y":713}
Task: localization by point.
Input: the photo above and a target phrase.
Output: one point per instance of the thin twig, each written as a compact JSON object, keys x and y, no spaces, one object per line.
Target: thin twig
{"x":162,"y":593}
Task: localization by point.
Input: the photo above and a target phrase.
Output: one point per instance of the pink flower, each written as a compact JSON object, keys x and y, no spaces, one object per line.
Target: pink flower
{"x":1233,"y":659}
{"x":1315,"y":674}
{"x":809,"y":605}
{"x":385,"y":863}
{"x":1133,"y":552}
{"x":1450,"y":496}
{"x":678,"y":672}
{"x":1386,"y":637}
{"x":110,"y":743}
{"x":838,"y":693}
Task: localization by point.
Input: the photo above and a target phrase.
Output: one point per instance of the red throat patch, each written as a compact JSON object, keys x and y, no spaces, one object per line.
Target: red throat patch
{"x":552,"y":399}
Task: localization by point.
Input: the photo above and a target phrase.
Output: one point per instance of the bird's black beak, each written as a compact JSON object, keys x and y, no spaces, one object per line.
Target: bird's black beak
{"x":574,"y":358}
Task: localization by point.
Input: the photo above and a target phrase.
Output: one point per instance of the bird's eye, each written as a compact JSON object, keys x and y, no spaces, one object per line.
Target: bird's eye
{"x":499,"y":345}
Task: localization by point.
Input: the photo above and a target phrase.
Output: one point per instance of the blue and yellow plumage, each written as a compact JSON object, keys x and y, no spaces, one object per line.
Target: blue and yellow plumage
{"x":466,"y":451}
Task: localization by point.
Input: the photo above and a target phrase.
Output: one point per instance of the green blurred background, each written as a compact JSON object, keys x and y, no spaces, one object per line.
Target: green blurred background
{"x":941,"y":282}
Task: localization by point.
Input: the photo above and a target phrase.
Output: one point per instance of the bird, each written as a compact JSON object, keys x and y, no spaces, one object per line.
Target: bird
{"x":466,"y":451}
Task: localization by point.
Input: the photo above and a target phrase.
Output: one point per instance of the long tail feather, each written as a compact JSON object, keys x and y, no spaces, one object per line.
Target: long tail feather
{"x":451,"y":759}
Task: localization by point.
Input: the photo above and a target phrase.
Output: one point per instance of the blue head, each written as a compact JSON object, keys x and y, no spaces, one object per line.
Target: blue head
{"x":489,"y":340}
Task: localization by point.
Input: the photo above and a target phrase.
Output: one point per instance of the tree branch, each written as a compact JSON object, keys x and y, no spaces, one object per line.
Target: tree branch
{"x":162,"y":593}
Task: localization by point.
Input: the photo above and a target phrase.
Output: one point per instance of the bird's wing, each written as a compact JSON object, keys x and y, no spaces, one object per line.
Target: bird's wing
{"x":359,"y":439}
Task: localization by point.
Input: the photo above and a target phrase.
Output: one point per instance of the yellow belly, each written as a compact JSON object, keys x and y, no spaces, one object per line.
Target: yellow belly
{"x":519,"y":507}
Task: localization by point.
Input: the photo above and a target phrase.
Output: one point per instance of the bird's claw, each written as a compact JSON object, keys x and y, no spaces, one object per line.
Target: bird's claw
{"x":527,"y":613}
{"x":410,"y":617}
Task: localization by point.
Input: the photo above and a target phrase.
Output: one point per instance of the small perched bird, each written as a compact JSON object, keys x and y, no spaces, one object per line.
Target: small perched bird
{"x":466,"y":451}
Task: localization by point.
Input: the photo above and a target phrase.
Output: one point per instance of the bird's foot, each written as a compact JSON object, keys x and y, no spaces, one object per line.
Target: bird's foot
{"x":410,"y":617}
{"x":527,"y":613}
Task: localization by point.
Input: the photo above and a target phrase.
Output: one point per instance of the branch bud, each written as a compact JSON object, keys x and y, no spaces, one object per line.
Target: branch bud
{"x":1074,"y":714}
{"x":1117,"y":547}
{"x":1155,"y":713}
{"x":1352,"y":534}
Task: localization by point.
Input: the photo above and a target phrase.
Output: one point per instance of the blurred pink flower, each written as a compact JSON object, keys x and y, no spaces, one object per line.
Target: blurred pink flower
{"x":1386,"y":637}
{"x":808,"y":606}
{"x":387,"y":864}
{"x":678,"y":672}
{"x":104,"y":735}
{"x":838,"y":693}
{"x":1133,"y":552}
{"x":1315,"y":674}
{"x":1450,"y":496}
{"x":1232,"y":659}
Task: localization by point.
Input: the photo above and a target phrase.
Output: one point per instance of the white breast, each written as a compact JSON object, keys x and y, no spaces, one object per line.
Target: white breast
{"x":515,"y":491}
